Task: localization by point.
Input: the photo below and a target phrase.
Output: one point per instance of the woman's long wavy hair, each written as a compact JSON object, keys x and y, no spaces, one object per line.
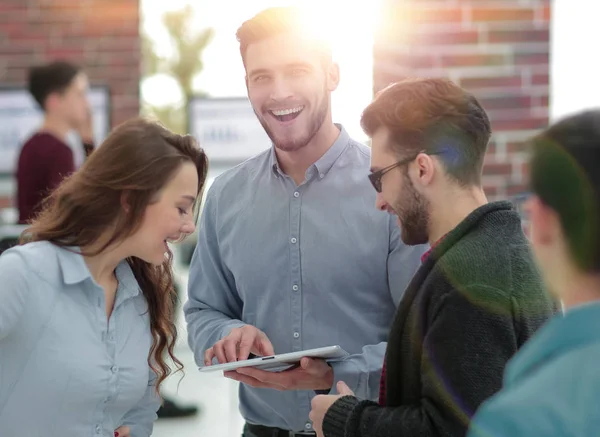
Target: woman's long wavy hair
{"x":134,"y":163}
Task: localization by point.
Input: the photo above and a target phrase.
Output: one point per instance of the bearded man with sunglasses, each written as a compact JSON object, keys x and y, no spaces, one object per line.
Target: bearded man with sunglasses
{"x":477,"y":297}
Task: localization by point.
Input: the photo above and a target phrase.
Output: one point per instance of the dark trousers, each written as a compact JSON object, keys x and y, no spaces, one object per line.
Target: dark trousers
{"x":263,"y":431}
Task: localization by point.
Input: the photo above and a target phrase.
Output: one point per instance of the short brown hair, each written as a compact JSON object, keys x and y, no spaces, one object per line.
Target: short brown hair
{"x":433,"y":115}
{"x":564,"y":175}
{"x":50,"y":78}
{"x":276,"y":21}
{"x":136,"y":160}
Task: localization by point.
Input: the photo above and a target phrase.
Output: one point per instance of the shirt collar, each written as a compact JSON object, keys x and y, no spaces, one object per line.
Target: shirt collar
{"x":73,"y":267}
{"x":325,"y":163}
{"x":75,"y":270}
{"x":428,"y":252}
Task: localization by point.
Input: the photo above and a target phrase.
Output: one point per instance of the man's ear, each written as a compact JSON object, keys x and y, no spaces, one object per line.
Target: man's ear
{"x":51,"y":100}
{"x":333,"y":76}
{"x":425,"y":169}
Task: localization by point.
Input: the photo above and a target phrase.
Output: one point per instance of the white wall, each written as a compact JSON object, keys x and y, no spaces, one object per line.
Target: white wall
{"x":574,"y":56}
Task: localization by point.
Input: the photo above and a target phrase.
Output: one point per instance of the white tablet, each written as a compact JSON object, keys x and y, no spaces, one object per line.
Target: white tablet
{"x":277,"y":363}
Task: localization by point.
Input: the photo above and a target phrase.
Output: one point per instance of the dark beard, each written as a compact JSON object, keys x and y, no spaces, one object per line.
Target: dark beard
{"x":315,"y":123}
{"x":413,"y":211}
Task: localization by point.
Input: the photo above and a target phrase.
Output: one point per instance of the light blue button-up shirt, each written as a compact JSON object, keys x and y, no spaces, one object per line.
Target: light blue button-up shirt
{"x":310,"y":265}
{"x":65,"y":370}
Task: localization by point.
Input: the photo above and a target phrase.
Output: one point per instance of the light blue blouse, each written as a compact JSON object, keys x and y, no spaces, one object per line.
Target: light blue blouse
{"x":65,"y":370}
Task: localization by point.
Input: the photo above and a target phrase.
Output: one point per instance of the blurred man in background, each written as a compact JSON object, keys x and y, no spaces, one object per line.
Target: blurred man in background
{"x":60,"y":89}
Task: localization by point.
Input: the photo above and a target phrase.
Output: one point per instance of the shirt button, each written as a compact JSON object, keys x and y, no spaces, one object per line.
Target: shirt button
{"x":114,"y":369}
{"x":293,"y":240}
{"x":295,"y":288}
{"x":296,"y":194}
{"x":98,"y":429}
{"x":321,"y":176}
{"x":296,"y":334}
{"x":111,"y":337}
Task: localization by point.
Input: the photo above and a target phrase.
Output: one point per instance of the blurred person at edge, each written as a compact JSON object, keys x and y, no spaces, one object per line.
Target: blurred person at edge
{"x":60,"y":89}
{"x":87,"y":314}
{"x":552,"y":386}
{"x":290,"y":256}
{"x":477,"y":297}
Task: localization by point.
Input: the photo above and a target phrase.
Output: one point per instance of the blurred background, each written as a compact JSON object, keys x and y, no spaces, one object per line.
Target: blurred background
{"x":528,"y":62}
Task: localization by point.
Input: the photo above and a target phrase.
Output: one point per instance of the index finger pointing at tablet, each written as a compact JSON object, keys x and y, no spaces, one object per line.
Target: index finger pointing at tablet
{"x":264,"y":345}
{"x":253,"y":340}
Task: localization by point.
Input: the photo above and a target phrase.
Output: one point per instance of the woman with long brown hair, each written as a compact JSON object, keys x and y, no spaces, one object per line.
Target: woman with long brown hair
{"x":87,"y":299}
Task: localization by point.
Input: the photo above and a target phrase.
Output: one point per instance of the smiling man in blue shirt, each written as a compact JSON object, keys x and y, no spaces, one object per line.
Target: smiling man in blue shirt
{"x":291,"y":255}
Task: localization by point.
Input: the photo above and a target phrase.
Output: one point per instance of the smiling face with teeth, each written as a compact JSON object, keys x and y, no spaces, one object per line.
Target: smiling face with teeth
{"x":289,"y":86}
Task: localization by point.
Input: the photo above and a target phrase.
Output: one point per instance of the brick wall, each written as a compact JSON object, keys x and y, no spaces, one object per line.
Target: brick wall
{"x":499,"y":50}
{"x":100,"y":35}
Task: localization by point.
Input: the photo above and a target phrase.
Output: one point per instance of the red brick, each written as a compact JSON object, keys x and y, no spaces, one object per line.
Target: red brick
{"x":416,"y":14}
{"x":544,"y":101}
{"x":497,"y":169}
{"x":475,"y":83}
{"x":11,"y":8}
{"x":5,"y":202}
{"x":30,"y":40}
{"x":517,"y":147}
{"x":14,"y":28}
{"x":521,"y":168}
{"x":106,"y":12}
{"x":483,"y":14}
{"x":473,"y":60}
{"x":519,"y":124}
{"x":515,"y":189}
{"x":540,"y":79}
{"x":531,"y":58}
{"x":405,"y":59}
{"x":74,"y":54}
{"x":445,"y":38}
{"x":20,"y":61}
{"x":546,"y":11}
{"x":524,"y":36}
{"x":506,"y":102}
{"x":116,"y":46}
{"x":490,"y":190}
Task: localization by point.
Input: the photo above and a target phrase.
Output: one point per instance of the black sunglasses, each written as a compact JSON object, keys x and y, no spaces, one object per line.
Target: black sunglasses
{"x":376,"y":176}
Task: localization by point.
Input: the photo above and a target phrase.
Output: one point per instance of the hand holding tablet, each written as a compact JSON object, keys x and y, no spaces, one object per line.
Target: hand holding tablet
{"x":238,"y":345}
{"x":276,"y":363}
